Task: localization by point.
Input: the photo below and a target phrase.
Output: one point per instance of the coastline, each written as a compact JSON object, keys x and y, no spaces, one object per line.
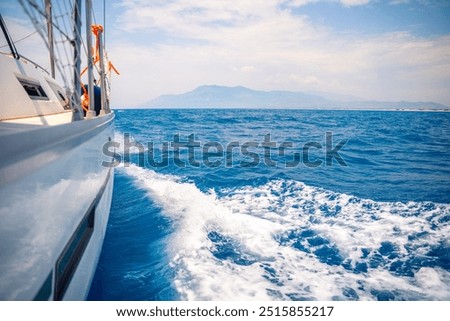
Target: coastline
{"x":286,"y":108}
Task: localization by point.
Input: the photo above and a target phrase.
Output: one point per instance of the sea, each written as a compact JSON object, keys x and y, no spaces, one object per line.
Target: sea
{"x":277,"y":204}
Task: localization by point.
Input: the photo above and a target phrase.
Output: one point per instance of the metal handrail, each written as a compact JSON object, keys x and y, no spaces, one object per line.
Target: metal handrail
{"x":34,"y":64}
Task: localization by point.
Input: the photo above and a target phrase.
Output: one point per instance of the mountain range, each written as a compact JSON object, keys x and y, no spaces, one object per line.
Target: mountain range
{"x":213,"y":96}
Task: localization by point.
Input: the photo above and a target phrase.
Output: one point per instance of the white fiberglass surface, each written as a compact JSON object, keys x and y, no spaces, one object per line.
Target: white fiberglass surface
{"x":40,"y":212}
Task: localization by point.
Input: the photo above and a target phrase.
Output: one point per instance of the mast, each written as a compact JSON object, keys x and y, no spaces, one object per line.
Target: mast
{"x":48,"y":13}
{"x":76,"y":96}
{"x":91,"y":112}
{"x":105,"y":108}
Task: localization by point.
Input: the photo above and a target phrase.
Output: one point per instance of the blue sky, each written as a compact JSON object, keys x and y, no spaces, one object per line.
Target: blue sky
{"x":421,"y":18}
{"x":383,"y":50}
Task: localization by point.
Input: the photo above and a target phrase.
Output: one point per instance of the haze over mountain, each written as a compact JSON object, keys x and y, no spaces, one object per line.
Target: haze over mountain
{"x":213,"y":96}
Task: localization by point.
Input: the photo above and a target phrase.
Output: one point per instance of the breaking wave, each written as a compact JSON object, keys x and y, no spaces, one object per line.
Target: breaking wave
{"x":285,"y":240}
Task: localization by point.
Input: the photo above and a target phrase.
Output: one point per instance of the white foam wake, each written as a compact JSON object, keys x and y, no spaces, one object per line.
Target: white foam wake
{"x":248,"y":245}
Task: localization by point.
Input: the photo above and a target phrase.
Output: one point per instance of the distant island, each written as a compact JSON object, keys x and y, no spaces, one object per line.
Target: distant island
{"x":213,"y":96}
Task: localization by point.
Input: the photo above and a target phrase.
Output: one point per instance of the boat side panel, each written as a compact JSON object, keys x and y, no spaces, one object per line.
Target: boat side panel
{"x":25,"y":151}
{"x":41,"y":210}
{"x":79,"y":286}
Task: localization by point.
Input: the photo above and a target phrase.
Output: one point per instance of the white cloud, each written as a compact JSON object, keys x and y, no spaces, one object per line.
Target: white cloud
{"x":350,"y":3}
{"x":395,"y":2}
{"x":260,"y":45}
{"x":346,"y":3}
{"x":245,"y":69}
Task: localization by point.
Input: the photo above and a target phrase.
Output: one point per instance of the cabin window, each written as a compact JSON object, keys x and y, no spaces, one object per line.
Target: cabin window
{"x":33,"y":89}
{"x":69,"y":259}
{"x":60,"y":94}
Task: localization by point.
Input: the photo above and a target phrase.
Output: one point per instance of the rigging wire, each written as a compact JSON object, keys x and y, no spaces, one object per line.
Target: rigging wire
{"x":62,"y":16}
{"x":17,"y":41}
{"x":40,"y":11}
{"x":63,"y":37}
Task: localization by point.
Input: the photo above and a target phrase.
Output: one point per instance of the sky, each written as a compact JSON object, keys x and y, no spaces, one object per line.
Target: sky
{"x":376,"y":50}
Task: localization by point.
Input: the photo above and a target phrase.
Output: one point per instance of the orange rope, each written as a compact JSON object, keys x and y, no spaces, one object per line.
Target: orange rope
{"x":111,"y":66}
{"x":96,"y":30}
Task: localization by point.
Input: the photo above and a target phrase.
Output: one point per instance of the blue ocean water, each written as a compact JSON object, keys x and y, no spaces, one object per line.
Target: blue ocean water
{"x":355,"y":206}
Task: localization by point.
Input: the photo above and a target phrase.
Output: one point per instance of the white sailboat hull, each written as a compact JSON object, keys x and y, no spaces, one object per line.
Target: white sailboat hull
{"x":55,"y":196}
{"x":81,"y":282}
{"x":56,"y":181}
